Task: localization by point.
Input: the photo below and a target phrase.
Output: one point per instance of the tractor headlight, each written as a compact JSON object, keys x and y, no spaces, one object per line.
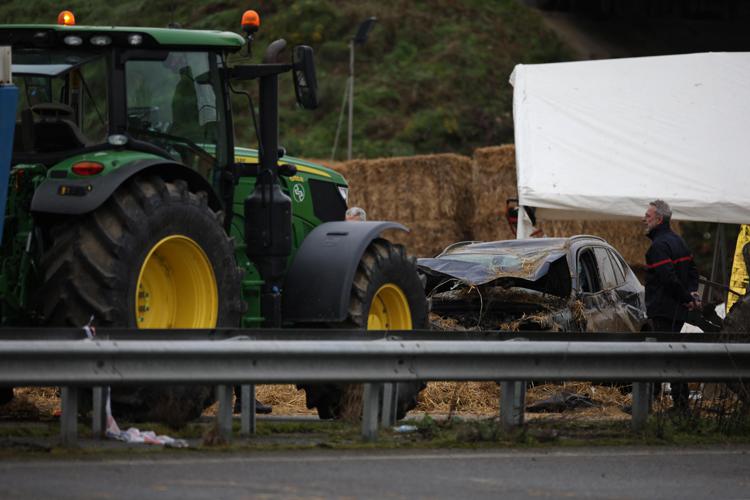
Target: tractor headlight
{"x":100,"y":40}
{"x":135,"y":39}
{"x":73,"y":40}
{"x":344,"y":192}
{"x":117,"y":139}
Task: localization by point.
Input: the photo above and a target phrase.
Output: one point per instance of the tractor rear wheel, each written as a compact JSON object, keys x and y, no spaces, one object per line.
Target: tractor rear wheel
{"x":386,"y":295}
{"x":154,"y":255}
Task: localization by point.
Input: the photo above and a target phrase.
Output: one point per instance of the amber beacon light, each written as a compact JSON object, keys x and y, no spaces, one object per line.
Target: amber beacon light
{"x":66,"y":18}
{"x":250,"y":21}
{"x":250,"y":25}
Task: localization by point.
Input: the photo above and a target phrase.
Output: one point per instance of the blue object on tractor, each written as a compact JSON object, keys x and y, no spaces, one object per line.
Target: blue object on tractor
{"x":8,"y":102}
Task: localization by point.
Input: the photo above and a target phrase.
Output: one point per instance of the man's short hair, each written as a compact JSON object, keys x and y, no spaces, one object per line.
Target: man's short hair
{"x":662,"y":209}
{"x":356,"y":212}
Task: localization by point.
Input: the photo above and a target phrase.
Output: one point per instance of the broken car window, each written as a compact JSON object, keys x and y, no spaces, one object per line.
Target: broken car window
{"x":606,"y":269}
{"x":588,"y":274}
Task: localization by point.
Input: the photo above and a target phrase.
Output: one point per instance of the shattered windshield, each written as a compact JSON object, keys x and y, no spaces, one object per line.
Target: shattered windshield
{"x":480,"y":263}
{"x":507,"y":263}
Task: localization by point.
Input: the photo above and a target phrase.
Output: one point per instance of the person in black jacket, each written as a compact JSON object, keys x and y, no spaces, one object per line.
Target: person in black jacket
{"x":671,"y":281}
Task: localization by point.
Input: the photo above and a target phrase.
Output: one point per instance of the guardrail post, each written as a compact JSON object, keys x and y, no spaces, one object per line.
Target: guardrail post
{"x":69,"y":417}
{"x":99,"y":416}
{"x":224,"y":414}
{"x":641,"y":404}
{"x":512,"y":403}
{"x":370,"y":409}
{"x":390,"y":405}
{"x":247,"y":412}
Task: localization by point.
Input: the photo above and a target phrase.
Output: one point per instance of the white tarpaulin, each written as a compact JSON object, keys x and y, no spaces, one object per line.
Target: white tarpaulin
{"x":600,"y":139}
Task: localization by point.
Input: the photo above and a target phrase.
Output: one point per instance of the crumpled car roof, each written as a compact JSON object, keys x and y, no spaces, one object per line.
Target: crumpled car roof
{"x":480,"y":263}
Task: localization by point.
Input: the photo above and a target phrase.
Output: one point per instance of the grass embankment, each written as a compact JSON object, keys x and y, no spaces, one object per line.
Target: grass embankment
{"x":460,"y":416}
{"x":432,"y":77}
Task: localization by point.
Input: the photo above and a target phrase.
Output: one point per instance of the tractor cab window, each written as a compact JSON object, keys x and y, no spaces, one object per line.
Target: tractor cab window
{"x":175,"y":103}
{"x":62,"y":103}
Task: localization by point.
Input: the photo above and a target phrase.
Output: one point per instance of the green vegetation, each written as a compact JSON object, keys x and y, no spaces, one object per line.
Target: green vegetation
{"x":426,"y":432}
{"x":433,"y":76}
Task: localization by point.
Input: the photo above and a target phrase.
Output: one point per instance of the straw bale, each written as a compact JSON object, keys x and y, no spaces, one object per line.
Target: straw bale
{"x":428,"y":238}
{"x":428,"y":194}
{"x":286,"y":399}
{"x":466,"y":397}
{"x":494,"y":182}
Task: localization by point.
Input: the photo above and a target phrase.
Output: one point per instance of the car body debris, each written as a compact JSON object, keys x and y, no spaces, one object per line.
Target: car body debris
{"x":579,"y":283}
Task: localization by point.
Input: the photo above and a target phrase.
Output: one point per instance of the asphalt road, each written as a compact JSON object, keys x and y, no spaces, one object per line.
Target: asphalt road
{"x":608,"y":473}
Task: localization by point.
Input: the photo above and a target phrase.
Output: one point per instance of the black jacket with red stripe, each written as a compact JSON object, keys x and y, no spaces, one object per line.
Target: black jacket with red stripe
{"x":670,"y":275}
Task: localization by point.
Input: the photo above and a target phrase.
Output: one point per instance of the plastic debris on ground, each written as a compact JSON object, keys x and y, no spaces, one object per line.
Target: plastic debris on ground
{"x":403,"y":429}
{"x":135,"y":435}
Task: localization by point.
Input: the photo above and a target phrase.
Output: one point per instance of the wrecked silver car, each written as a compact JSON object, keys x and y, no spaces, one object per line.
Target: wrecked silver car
{"x":579,"y":283}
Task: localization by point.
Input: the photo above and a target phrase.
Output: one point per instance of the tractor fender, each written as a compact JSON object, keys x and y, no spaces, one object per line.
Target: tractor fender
{"x":319,"y":281}
{"x":68,"y":196}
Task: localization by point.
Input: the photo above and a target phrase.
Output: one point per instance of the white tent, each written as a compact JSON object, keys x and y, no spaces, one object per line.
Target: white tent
{"x":600,"y":139}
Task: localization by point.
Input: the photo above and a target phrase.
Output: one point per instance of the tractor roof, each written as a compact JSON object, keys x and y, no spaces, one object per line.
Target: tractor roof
{"x":45,"y":35}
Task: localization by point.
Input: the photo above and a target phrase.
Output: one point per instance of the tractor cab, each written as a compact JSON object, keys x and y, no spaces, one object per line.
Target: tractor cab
{"x":88,"y":89}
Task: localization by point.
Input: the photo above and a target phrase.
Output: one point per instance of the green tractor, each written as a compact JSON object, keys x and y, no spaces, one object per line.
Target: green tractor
{"x":129,"y":204}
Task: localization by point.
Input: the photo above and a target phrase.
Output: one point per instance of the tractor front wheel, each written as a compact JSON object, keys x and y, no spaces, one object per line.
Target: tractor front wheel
{"x":386,"y":295}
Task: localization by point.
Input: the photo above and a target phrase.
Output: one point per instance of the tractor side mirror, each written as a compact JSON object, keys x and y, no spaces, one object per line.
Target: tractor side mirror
{"x":303,"y":72}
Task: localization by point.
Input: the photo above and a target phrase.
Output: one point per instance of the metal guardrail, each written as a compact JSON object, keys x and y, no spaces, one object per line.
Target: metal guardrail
{"x":99,"y":362}
{"x":318,"y":334}
{"x":107,"y":362}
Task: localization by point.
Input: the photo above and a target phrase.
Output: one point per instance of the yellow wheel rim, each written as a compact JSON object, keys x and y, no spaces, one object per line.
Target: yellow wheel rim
{"x":389,"y":310}
{"x":176,"y":287}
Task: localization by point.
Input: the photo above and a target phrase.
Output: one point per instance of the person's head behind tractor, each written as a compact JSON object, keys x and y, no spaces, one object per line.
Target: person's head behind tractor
{"x":356,"y":214}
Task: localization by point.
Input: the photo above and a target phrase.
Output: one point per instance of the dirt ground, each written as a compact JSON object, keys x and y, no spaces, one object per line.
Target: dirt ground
{"x":458,"y":398}
{"x":477,"y":399}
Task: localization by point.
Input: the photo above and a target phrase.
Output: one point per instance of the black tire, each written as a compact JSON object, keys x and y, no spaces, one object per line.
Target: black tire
{"x":6,"y":395}
{"x":383,"y":263}
{"x":94,"y":266}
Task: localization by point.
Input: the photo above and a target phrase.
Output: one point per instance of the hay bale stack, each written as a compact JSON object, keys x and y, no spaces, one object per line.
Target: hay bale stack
{"x":428,"y":194}
{"x":494,"y":182}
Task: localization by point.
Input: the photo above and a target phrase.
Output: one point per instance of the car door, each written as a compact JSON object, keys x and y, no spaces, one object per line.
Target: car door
{"x":611,"y":279}
{"x":629,"y":294}
{"x":597,"y":302}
